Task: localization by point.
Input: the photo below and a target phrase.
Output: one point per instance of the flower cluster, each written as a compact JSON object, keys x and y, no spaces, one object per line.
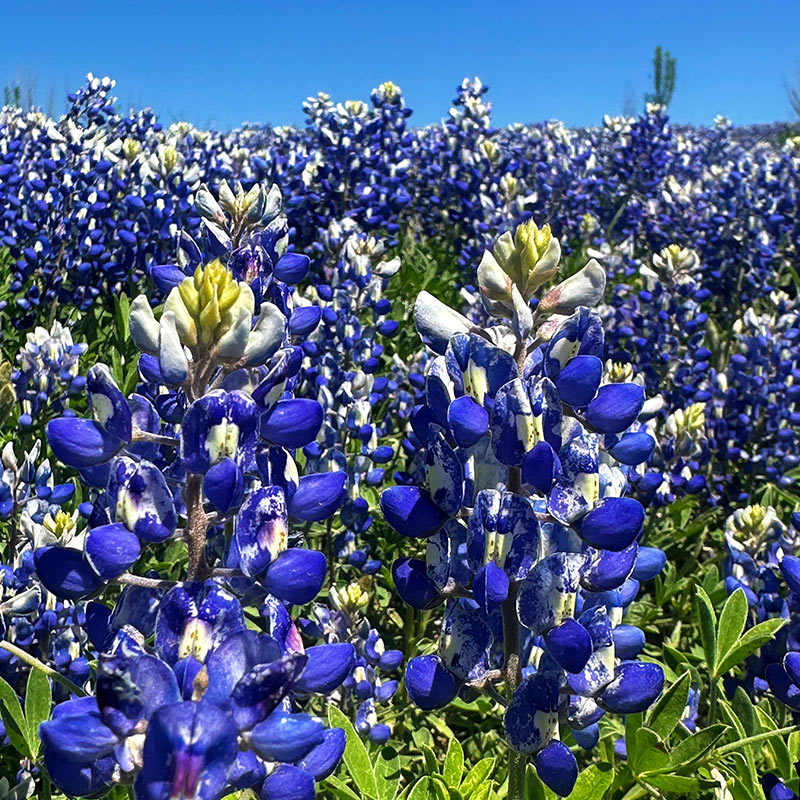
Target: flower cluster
{"x":196,"y":565}
{"x":366,"y":687}
{"x":47,"y":372}
{"x":344,"y":326}
{"x":531,"y":541}
{"x":203,"y":453}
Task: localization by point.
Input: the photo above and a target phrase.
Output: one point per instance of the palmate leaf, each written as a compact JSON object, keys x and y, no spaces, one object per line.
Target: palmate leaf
{"x":751,"y":641}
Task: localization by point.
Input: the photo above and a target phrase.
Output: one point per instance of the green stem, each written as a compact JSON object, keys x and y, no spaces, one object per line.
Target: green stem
{"x":409,"y":645}
{"x":712,"y":700}
{"x":49,"y":671}
{"x":734,"y":747}
{"x":516,"y":776}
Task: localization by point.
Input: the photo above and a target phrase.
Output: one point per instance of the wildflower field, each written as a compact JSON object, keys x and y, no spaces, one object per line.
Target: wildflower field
{"x":371,"y":461}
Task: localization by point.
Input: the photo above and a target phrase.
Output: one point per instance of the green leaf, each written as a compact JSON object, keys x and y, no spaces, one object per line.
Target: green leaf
{"x":122,"y":309}
{"x":780,"y":752}
{"x":423,"y":789}
{"x":667,"y":712}
{"x":387,"y":773}
{"x":116,"y":367}
{"x":593,"y":782}
{"x":431,"y":764}
{"x":38,"y":696}
{"x":632,"y":724}
{"x":453,"y":764}
{"x":340,"y":788}
{"x":680,"y":783}
{"x":674,"y":659}
{"x":356,"y":758}
{"x":13,"y":718}
{"x":745,"y":785}
{"x":696,"y":746}
{"x":752,"y":640}
{"x":441,"y":790}
{"x":476,"y":776}
{"x":484,"y":792}
{"x":745,"y":712}
{"x":648,"y":757}
{"x":794,"y":745}
{"x":748,"y":765}
{"x":707,"y":619}
{"x":422,"y":737}
{"x":534,"y":788}
{"x":437,"y":722}
{"x":731,"y":622}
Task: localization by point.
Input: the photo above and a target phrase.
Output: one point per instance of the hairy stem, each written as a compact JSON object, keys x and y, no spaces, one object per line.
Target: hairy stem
{"x":196,"y":526}
{"x":513,"y":675}
{"x":127,"y":579}
{"x":517,"y":762}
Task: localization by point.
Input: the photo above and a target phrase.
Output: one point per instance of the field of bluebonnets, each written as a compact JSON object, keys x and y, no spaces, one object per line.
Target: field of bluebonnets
{"x":393,"y":462}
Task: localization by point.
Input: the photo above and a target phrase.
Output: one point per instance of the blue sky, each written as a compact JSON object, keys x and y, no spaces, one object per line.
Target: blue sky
{"x":224,"y":62}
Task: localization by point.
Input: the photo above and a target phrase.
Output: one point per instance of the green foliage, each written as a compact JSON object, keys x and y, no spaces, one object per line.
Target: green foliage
{"x":356,"y":758}
{"x":663,"y":78}
{"x":696,"y":631}
{"x":426,"y":266}
{"x":724,"y":645}
{"x":22,"y":728}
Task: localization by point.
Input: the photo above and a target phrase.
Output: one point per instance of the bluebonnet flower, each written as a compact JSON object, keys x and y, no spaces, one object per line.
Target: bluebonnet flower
{"x":47,"y":372}
{"x":220,"y":458}
{"x":760,"y":561}
{"x":366,"y":687}
{"x":530,"y":541}
{"x":206,"y":710}
{"x":343,"y":346}
{"x":261,"y":352}
{"x":29,"y":486}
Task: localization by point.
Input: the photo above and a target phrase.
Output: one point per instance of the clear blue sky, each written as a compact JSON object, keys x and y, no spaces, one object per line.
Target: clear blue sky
{"x":221,"y":63}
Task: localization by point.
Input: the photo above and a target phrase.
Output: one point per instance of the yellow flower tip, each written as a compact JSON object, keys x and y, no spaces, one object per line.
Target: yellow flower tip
{"x":353,"y":598}
{"x":542,"y":238}
{"x":188,"y":292}
{"x":619,"y":372}
{"x":209,"y":296}
{"x":524,"y":233}
{"x":61,"y":526}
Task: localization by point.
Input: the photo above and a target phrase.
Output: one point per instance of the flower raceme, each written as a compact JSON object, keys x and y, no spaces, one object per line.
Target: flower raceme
{"x":530,"y":542}
{"x":203,"y":452}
